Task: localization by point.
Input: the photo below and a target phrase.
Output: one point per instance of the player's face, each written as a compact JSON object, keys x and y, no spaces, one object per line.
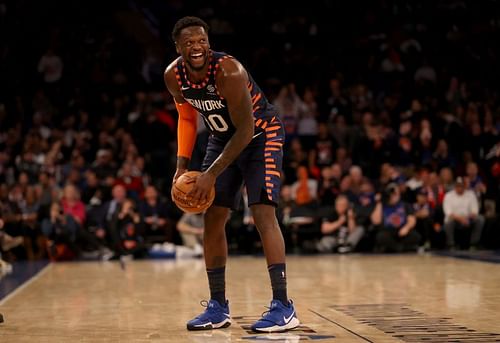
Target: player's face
{"x":194,"y":47}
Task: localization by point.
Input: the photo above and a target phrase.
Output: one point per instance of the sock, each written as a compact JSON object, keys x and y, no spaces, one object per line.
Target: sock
{"x":277,"y":273}
{"x":217,"y":284}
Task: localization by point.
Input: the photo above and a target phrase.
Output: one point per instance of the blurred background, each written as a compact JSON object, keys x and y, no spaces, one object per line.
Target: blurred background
{"x":390,"y":100}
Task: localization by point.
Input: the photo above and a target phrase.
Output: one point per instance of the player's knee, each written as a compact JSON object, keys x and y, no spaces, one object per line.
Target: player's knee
{"x":216,"y":216}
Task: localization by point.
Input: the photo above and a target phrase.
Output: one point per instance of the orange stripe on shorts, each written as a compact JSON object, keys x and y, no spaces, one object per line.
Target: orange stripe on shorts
{"x":270,"y":185}
{"x":256,"y":98}
{"x":273,"y":172}
{"x":273,"y":128}
{"x":274,"y":143}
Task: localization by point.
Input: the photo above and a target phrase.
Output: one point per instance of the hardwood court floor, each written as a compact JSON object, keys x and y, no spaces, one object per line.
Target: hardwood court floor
{"x":357,"y":298}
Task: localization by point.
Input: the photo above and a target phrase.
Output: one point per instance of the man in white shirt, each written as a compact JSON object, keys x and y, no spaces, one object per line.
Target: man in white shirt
{"x":461,"y":211}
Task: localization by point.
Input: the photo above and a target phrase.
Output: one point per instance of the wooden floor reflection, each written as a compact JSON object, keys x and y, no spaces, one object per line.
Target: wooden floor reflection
{"x":357,"y":298}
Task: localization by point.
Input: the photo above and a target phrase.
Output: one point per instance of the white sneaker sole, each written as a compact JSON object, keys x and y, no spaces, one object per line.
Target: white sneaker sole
{"x":292,"y":324}
{"x":209,"y":326}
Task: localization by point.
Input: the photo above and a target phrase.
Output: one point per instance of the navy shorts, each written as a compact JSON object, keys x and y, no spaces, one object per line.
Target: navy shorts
{"x":258,"y":167}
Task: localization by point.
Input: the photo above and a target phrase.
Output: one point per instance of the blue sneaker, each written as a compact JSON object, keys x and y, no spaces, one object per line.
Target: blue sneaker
{"x":214,"y":317}
{"x":279,"y":318}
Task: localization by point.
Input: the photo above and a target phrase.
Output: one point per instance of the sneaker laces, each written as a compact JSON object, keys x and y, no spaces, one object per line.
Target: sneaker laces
{"x":266,"y":312}
{"x":204,"y":303}
{"x":208,"y":309}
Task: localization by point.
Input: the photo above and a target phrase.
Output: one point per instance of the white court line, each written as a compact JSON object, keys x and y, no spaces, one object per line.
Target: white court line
{"x":26,"y":283}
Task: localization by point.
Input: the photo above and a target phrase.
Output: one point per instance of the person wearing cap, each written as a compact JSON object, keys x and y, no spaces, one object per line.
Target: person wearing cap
{"x":461,"y":210}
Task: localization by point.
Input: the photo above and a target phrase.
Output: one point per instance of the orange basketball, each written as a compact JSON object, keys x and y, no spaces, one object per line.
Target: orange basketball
{"x":183,"y":186}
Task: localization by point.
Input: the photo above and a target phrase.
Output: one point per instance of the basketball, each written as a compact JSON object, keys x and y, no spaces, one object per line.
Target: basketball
{"x":183,"y":186}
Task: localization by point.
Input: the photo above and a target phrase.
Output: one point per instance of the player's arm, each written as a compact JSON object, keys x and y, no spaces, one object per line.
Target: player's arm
{"x":232,"y":85}
{"x":186,"y":127}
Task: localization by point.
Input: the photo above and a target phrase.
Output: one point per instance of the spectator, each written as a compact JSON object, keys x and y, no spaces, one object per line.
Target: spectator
{"x":125,"y":231}
{"x":61,"y":231}
{"x":305,"y":189}
{"x":156,"y":216}
{"x":431,"y":235}
{"x":474,"y":181}
{"x":72,"y":205}
{"x":51,"y":66}
{"x":396,"y":222}
{"x":133,"y":184}
{"x":8,"y":242}
{"x":191,"y":226}
{"x":340,"y":231}
{"x":461,"y":210}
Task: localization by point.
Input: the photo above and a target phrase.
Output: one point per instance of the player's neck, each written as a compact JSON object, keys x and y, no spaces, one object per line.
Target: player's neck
{"x":197,"y":76}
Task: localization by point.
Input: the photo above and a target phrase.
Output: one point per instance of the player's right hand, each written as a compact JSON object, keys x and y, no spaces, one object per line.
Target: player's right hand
{"x":178,"y":173}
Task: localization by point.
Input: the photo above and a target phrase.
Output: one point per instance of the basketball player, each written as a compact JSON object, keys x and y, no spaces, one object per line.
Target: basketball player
{"x":245,"y":145}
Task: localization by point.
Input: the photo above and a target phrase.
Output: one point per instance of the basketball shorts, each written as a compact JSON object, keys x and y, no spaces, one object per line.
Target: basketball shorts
{"x":258,"y":168}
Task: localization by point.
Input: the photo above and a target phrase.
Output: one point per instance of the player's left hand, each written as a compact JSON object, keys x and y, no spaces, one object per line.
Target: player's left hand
{"x":201,"y":190}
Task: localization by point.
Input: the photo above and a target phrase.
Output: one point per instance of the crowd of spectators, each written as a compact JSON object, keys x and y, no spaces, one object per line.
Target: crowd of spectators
{"x":392,"y":115}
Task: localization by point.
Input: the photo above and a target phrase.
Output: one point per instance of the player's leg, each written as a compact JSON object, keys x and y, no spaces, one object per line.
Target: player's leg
{"x":227,"y":187}
{"x":215,"y":251}
{"x":281,"y":315}
{"x":216,"y":315}
{"x":261,"y":169}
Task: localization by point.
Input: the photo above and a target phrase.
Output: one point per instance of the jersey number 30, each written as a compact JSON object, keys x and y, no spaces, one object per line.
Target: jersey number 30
{"x":216,"y":122}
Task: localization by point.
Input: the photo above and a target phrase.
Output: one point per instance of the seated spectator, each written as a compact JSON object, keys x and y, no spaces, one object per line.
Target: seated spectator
{"x":124,"y":231}
{"x":8,"y":242}
{"x":61,"y":231}
{"x":474,"y":181}
{"x":133,"y":184}
{"x":396,"y":223}
{"x":304,"y":193}
{"x":155,"y":217}
{"x":35,"y":246}
{"x":431,"y":235}
{"x":191,"y":226}
{"x":67,"y":239}
{"x":72,"y":204}
{"x":13,"y":222}
{"x":328,"y":187}
{"x":461,"y":210}
{"x":365,"y":203}
{"x":340,"y":231}
{"x":111,"y":209}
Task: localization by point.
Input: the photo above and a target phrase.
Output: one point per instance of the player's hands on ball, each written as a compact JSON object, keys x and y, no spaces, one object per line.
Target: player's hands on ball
{"x":201,"y":190}
{"x":177,"y":174}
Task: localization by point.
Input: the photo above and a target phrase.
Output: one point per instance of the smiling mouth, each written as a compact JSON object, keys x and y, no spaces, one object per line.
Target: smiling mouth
{"x":197,"y":57}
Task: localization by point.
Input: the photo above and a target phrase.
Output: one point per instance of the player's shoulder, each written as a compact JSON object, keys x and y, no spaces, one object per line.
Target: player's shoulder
{"x":228,"y":66}
{"x":170,"y":69}
{"x":170,"y":78}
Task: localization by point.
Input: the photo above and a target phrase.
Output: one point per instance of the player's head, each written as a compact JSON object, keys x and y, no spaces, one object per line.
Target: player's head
{"x":190,"y":35}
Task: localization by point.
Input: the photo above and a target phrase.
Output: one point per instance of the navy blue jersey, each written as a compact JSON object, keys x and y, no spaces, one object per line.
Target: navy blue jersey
{"x":205,"y":98}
